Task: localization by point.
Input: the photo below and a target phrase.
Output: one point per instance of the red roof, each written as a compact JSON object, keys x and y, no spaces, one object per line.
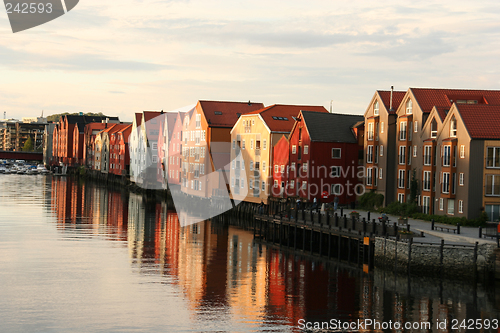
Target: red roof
{"x":482,"y":121}
{"x":148,"y":115}
{"x":442,"y":112}
{"x":428,"y":98}
{"x":126,"y":132}
{"x":225,"y":114}
{"x":273,"y":113}
{"x":397,"y":97}
{"x":138,"y":118}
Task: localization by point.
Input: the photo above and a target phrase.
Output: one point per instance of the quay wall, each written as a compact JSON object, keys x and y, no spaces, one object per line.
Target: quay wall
{"x":454,"y":261}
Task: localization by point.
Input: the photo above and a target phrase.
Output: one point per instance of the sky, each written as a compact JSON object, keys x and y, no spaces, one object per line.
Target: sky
{"x":122,"y":57}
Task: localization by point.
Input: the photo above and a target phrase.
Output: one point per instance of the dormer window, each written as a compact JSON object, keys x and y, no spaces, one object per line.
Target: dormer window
{"x":453,"y":127}
{"x":433,"y":128}
{"x":375,"y":108}
{"x":409,"y":107}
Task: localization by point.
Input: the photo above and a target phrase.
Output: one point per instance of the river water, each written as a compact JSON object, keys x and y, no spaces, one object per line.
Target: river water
{"x":81,"y":257}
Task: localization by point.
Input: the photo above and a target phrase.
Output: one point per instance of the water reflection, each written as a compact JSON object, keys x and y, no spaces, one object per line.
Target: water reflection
{"x":231,"y":283}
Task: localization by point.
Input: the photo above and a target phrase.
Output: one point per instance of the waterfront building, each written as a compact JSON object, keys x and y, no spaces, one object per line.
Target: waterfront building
{"x":63,"y":153}
{"x":119,"y":151}
{"x":252,"y":140}
{"x":174,"y":157}
{"x":89,"y":135}
{"x":48,"y":156}
{"x":324,"y":157}
{"x":380,"y":142}
{"x":166,"y":131}
{"x":207,"y":146}
{"x":445,"y":150}
{"x":144,"y":148}
{"x":78,"y":143}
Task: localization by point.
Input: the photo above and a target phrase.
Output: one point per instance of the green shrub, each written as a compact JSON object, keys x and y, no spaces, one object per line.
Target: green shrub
{"x":371,"y":200}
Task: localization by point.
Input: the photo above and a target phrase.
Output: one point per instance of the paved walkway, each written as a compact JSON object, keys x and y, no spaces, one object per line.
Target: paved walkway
{"x":468,"y":235}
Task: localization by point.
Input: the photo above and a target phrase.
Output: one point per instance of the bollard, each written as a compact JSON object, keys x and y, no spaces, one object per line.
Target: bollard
{"x":458,"y":228}
{"x":364,"y":226}
{"x":432,"y":224}
{"x":341,"y":211}
{"x":480,"y":232}
{"x":407,"y":227}
{"x":368,"y":216}
{"x":345,"y":221}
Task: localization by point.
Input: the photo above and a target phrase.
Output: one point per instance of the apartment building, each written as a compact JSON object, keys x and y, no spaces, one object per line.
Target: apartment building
{"x":446,"y":141}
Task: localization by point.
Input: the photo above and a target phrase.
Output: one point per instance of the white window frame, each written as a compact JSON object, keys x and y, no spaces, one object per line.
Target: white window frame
{"x":426,"y":204}
{"x":496,"y":151}
{"x":461,"y":179}
{"x":306,"y":149}
{"x":441,"y":204}
{"x":370,"y":132}
{"x":446,"y":155}
{"x":369,"y":175}
{"x":304,"y":185}
{"x":401,"y":178}
{"x":381,"y":150}
{"x":426,"y":181}
{"x":403,"y":131}
{"x":243,"y":144}
{"x":369,"y":154}
{"x":415,"y":126}
{"x":380,"y":173}
{"x":462,"y":151}
{"x":294,"y":149}
{"x":339,"y":151}
{"x":445,"y":188}
{"x":451,"y":206}
{"x":427,"y":155}
{"x":415,"y":151}
{"x":382,"y":127}
{"x":402,"y":155}
{"x":264,"y":144}
{"x":376,"y":108}
{"x":401,"y":197}
{"x":453,"y":127}
{"x":409,"y":107}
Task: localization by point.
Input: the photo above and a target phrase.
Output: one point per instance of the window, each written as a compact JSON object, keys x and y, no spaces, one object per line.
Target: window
{"x":451,"y":206}
{"x":264,"y":166}
{"x":369,"y":176}
{"x":381,"y":150}
{"x":375,"y":108}
{"x":462,"y":151}
{"x":427,"y":155}
{"x":243,"y":144}
{"x":203,"y":136}
{"x":453,"y":127}
{"x":446,"y":183}
{"x":306,"y":150}
{"x":382,"y":127}
{"x":409,"y":107}
{"x":415,"y":151}
{"x":251,"y":144}
{"x":304,"y":185}
{"x":282,"y":168}
{"x":401,"y":179}
{"x":402,"y":131}
{"x":276,"y":168}
{"x":369,"y":154}
{"x":304,"y":167}
{"x":257,"y":165}
{"x":426,"y":204}
{"x":380,"y":173}
{"x":336,"y":152}
{"x":294,"y":149}
{"x":433,"y":128}
{"x":460,"y":206}
{"x":251,"y":165}
{"x":401,"y":197}
{"x":242,"y":183}
{"x":292,"y":184}
{"x":263,"y":186}
{"x":276,"y":183}
{"x":441,"y":204}
{"x":336,"y":189}
{"x":415,"y":126}
{"x":234,"y":144}
{"x":264,"y":145}
{"x":446,"y":155}
{"x":493,"y":157}
{"x":250,"y":185}
{"x":335,"y":172}
{"x":370,"y":132}
{"x":402,"y":154}
{"x":427,"y":181}
{"x":233,"y":164}
{"x":198,"y":120}
{"x":292,"y":166}
{"x":461,"y":179}
{"x":257,"y":144}
{"x":492,"y":185}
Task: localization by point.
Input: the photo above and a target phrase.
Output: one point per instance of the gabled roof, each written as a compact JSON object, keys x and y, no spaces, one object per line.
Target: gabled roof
{"x":442,"y":112}
{"x":148,"y":115}
{"x":225,"y":114}
{"x":482,"y":121}
{"x":171,"y":119}
{"x":81,"y":127}
{"x":331,"y":127}
{"x":397,"y":98}
{"x":138,"y":119}
{"x":427,"y":98}
{"x":281,"y":118}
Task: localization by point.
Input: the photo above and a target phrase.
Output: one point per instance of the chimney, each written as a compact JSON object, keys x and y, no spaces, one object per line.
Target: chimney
{"x":390,"y":107}
{"x":249,"y":103}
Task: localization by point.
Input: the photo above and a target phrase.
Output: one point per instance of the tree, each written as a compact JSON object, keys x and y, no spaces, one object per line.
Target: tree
{"x":28,"y":145}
